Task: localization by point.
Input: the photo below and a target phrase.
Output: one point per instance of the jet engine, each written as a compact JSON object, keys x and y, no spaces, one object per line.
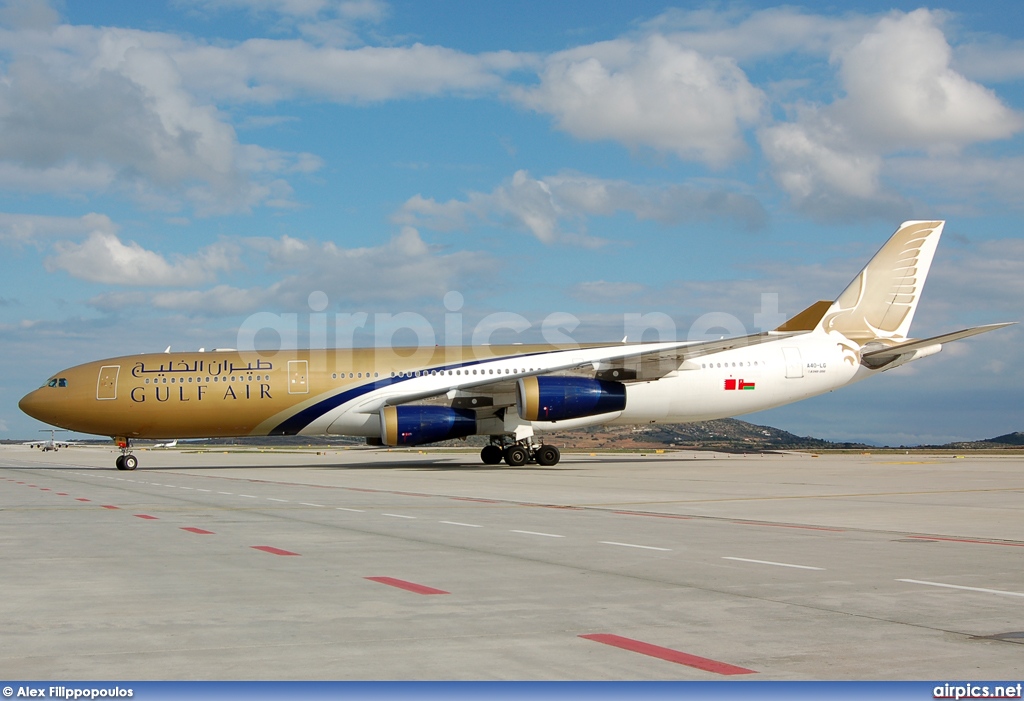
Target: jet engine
{"x":561,"y":398}
{"x":416,"y":425}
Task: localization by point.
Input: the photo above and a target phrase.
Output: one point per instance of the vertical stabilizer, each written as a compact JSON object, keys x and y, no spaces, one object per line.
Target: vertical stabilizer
{"x":881,"y":300}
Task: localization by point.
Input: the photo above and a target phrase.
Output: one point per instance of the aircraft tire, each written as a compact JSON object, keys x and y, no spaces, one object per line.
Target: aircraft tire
{"x":491,"y":455}
{"x":119,"y":462}
{"x":548,"y":455}
{"x":515,"y":455}
{"x":130,"y":462}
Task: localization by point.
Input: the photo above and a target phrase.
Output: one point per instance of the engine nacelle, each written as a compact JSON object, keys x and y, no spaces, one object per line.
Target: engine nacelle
{"x":561,"y":398}
{"x":416,"y":425}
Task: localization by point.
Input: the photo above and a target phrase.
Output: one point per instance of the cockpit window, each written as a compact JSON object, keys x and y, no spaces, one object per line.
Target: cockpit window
{"x":52,"y":383}
{"x":62,"y":382}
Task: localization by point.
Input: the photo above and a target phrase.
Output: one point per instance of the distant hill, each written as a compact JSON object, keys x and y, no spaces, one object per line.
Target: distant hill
{"x":1015,"y":438}
{"x":1007,"y":440}
{"x":728,"y":435}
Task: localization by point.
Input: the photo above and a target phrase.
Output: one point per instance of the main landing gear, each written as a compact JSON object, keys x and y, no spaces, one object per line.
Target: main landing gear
{"x":126,"y":461}
{"x":520,"y":453}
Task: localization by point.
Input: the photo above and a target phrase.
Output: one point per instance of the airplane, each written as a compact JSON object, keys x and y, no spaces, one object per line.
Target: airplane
{"x":510,"y":393}
{"x":171,"y":444}
{"x":50,"y":444}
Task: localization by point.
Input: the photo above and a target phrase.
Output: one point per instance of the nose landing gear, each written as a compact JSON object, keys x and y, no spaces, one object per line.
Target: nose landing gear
{"x":126,"y":461}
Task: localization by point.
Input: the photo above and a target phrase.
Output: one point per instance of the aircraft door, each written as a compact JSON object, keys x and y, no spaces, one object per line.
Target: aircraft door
{"x":794,"y":363}
{"x":298,"y":377}
{"x":106,"y":383}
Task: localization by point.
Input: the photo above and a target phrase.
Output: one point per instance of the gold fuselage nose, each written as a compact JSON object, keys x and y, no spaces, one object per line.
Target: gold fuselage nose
{"x":38,"y":405}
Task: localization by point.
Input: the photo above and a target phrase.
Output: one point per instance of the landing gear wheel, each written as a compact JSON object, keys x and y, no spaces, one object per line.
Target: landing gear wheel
{"x":491,"y":454}
{"x":548,"y":455}
{"x":516,"y":455}
{"x":130,"y":462}
{"x":120,"y":462}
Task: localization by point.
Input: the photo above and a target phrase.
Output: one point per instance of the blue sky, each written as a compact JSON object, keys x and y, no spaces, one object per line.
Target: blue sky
{"x":169,"y":170}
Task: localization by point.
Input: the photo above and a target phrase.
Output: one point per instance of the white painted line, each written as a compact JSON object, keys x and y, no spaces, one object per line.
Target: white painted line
{"x":631,"y":545}
{"x":201,"y":490}
{"x":273,"y":499}
{"x":185,"y":488}
{"x":955,"y":586}
{"x":230,"y":494}
{"x":398,"y":516}
{"x":777,"y":564}
{"x":546,"y":535}
{"x":342,"y":508}
{"x":306,"y":503}
{"x":467,"y":525}
{"x":172,"y":486}
{"x":247,"y":496}
{"x":156,"y":484}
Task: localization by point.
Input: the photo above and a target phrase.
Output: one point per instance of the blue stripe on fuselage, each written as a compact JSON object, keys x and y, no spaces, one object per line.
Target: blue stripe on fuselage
{"x":298,"y":421}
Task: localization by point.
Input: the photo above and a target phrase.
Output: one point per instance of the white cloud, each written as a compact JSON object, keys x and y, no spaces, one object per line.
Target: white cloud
{"x":404,"y":269}
{"x":975,"y":180}
{"x":901,"y":95}
{"x":105,"y":259}
{"x":994,"y":59}
{"x":901,"y":91}
{"x":654,"y":93}
{"x":28,"y":14}
{"x":544,"y":207}
{"x":767,"y":33}
{"x":266,"y":71}
{"x":86,"y":109}
{"x":33,"y":228}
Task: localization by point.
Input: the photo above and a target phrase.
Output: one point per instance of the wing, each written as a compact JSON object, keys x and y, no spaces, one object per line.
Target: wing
{"x":492,"y":384}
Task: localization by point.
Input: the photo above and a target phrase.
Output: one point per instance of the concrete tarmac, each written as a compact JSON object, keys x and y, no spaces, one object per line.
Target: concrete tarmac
{"x":359,"y":564}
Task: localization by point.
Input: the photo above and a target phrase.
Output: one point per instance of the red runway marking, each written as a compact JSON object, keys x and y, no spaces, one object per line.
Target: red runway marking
{"x":81,"y":499}
{"x":641,"y":513}
{"x":200,"y":531}
{"x":408,"y":586}
{"x":27,"y":485}
{"x":786,"y":525}
{"x":108,"y":506}
{"x":19,"y":483}
{"x":668,"y":654}
{"x":272,"y":550}
{"x":147,"y":516}
{"x":44,"y":489}
{"x":966,"y":540}
{"x":62,"y":494}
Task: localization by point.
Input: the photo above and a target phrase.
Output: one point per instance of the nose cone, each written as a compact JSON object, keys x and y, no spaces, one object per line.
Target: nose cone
{"x":35,"y":405}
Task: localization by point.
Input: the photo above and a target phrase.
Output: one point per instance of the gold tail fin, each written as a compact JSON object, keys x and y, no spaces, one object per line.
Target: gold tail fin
{"x":881,"y":301}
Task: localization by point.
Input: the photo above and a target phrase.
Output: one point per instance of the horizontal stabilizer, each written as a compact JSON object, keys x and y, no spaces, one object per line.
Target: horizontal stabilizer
{"x":909,"y":346}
